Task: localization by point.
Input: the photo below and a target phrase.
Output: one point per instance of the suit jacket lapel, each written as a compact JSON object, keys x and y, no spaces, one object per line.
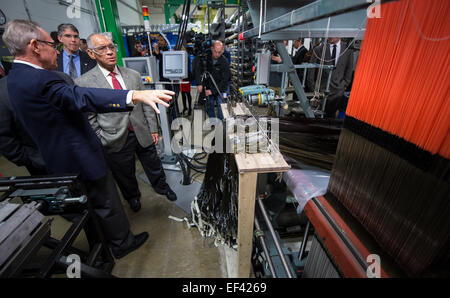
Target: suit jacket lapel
{"x":129,"y":82}
{"x":83,"y":63}
{"x":100,"y":78}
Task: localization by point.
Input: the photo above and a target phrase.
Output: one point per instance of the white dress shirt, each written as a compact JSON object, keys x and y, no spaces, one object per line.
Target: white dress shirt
{"x":27,"y":63}
{"x":338,"y":50}
{"x":109,"y":78}
{"x":120,"y":79}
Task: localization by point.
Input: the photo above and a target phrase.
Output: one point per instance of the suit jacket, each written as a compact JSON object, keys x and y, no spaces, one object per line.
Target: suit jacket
{"x":342,"y":73}
{"x":299,"y":55}
{"x":86,"y":63}
{"x":15,"y":142}
{"x":52,"y":113}
{"x":298,"y":59}
{"x":113,"y":128}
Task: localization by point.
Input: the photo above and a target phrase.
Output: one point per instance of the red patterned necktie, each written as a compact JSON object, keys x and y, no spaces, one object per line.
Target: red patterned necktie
{"x":2,"y":71}
{"x":117,"y":86}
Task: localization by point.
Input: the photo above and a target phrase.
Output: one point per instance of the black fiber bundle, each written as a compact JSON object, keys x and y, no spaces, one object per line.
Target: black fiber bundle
{"x":310,"y":141}
{"x":218,"y":196}
{"x":399,"y":199}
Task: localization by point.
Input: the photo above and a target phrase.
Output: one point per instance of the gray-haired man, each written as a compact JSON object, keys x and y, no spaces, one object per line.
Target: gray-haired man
{"x":124,"y":134}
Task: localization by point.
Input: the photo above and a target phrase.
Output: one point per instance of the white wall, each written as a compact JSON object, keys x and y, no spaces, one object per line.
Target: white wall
{"x":50,"y":13}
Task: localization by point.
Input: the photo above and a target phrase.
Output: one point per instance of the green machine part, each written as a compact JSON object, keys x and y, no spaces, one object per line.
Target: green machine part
{"x":108,"y":15}
{"x":171,"y":6}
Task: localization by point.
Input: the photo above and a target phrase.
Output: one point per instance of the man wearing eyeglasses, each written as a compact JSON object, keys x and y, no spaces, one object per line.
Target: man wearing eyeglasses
{"x":72,"y":61}
{"x":125,"y":134}
{"x":52,"y":112}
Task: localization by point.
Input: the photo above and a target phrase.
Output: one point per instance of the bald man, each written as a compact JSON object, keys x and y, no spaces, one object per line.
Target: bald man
{"x":219,"y":69}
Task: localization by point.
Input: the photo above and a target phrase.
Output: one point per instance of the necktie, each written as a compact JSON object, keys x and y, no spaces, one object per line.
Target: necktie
{"x":72,"y":69}
{"x":2,"y":71}
{"x":115,"y":82}
{"x":333,"y":55}
{"x":117,"y":86}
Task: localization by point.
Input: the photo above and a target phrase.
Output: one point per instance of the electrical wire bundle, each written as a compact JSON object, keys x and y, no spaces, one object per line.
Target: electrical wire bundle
{"x":194,"y":163}
{"x":392,"y":169}
{"x":183,"y":24}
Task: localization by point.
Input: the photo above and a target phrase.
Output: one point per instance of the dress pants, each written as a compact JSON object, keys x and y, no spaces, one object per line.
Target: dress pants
{"x":105,"y":201}
{"x":123,"y":167}
{"x":334,"y":103}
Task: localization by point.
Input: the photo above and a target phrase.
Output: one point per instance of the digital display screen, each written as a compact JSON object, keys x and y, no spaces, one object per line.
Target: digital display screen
{"x":138,"y":65}
{"x":173,"y":63}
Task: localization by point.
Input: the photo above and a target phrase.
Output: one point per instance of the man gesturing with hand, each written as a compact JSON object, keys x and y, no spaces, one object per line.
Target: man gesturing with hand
{"x":53,"y":113}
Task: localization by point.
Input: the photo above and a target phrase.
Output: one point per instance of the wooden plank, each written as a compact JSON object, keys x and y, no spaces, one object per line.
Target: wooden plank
{"x":239,"y":110}
{"x":246,"y":214}
{"x":225,"y":112}
{"x":261,"y":162}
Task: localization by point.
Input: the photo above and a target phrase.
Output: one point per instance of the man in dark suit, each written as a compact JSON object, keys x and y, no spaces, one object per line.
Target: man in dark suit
{"x":125,"y":134}
{"x":338,"y":54}
{"x":72,"y":60}
{"x":15,"y":142}
{"x":52,"y":113}
{"x":298,"y":55}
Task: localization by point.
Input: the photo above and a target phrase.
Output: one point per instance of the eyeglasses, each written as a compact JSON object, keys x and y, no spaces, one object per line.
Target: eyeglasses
{"x":52,"y":44}
{"x":101,"y":50}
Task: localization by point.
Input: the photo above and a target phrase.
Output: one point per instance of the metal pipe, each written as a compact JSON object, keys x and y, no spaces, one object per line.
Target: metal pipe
{"x":275,"y":238}
{"x":305,"y":238}
{"x":264,"y":246}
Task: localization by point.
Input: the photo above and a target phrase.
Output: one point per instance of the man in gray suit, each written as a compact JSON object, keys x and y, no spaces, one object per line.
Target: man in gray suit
{"x":338,"y":54}
{"x":124,"y":134}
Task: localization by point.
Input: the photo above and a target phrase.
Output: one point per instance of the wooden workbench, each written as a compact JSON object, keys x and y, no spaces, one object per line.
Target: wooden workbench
{"x":249,"y":165}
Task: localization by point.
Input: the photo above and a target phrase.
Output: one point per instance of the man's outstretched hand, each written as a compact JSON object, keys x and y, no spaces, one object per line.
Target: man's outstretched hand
{"x":153,"y":97}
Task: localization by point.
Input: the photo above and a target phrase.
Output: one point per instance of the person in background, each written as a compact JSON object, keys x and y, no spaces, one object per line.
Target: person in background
{"x":298,"y":55}
{"x":340,"y":56}
{"x":72,"y":60}
{"x":219,"y":69}
{"x":185,"y":89}
{"x":275,"y":78}
{"x":83,"y":45}
{"x":138,"y":50}
{"x":125,"y":134}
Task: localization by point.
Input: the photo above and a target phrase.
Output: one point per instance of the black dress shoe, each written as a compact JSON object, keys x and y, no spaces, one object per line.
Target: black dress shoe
{"x":138,"y":241}
{"x":135,"y":205}
{"x":171,"y":195}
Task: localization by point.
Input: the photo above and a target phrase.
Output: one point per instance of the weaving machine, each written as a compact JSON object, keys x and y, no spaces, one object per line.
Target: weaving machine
{"x":385,"y":211}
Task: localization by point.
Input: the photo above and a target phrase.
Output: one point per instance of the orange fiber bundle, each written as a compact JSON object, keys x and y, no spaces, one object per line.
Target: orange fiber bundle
{"x":402,"y":81}
{"x":392,"y":169}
